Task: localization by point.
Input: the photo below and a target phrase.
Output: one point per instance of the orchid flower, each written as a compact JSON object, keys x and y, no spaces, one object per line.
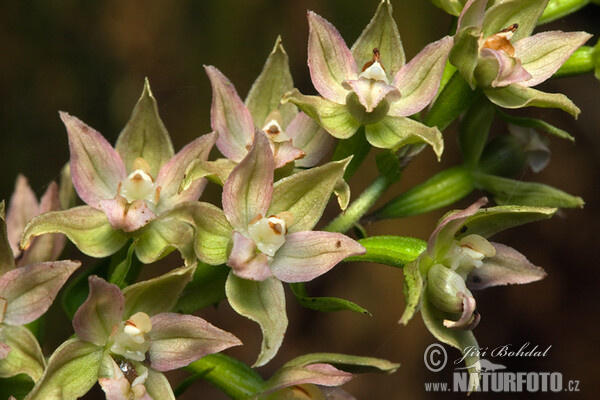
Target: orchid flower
{"x":493,"y":49}
{"x":458,"y":259}
{"x":264,"y":235}
{"x":293,"y":136}
{"x":26,"y":293}
{"x":298,"y":378}
{"x":130,"y":190}
{"x":126,"y":339}
{"x":370,"y":84}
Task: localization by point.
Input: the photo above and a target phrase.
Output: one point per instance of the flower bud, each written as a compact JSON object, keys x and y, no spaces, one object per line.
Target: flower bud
{"x":446,"y":289}
{"x":503,"y":156}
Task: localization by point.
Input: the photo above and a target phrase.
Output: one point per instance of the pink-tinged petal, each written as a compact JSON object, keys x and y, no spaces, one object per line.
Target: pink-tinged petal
{"x":472,"y":14}
{"x":507,"y":267}
{"x":96,"y":168}
{"x":246,"y":262}
{"x":371,"y":92}
{"x":337,"y":394}
{"x":307,"y":255}
{"x":30,"y":290}
{"x":178,"y":340}
{"x":469,"y":318}
{"x":22,"y":207}
{"x":126,"y":216}
{"x":318,"y":374}
{"x":329,"y":59}
{"x":7,"y":261}
{"x":4,"y":350}
{"x":229,"y":117}
{"x":172,"y":173}
{"x":286,"y":152}
{"x":508,"y":69}
{"x":117,"y":387}
{"x":543,"y":54}
{"x":308,"y":136}
{"x":419,"y":80}
{"x":447,"y":227}
{"x":247,"y":192}
{"x":101,"y":312}
{"x":24,"y":354}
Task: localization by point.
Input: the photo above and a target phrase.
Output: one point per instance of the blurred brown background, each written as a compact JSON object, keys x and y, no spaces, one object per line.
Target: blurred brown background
{"x":90,"y":59}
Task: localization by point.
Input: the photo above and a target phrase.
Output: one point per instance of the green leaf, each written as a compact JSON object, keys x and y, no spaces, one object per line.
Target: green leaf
{"x":333,"y":117}
{"x":355,"y":146}
{"x":536,"y":124}
{"x":510,"y":191}
{"x":25,"y":355}
{"x":306,"y":194}
{"x":267,"y":90}
{"x":120,"y":271}
{"x":85,"y":226}
{"x":396,"y":132}
{"x":157,"y":295}
{"x":145,"y":135}
{"x":17,"y":386}
{"x":264,"y":303}
{"x":77,"y":290}
{"x":207,"y":287}
{"x":396,"y":251}
{"x":324,"y":304}
{"x":72,"y":371}
{"x":489,"y":221}
{"x":381,"y":33}
{"x":348,"y":363}
{"x":442,"y":189}
{"x":473,"y":131}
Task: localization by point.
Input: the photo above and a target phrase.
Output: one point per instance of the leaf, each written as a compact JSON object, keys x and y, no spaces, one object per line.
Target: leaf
{"x":510,"y":191}
{"x":145,"y":135}
{"x":85,"y":226}
{"x":72,"y":371}
{"x":396,"y":251}
{"x":264,"y":303}
{"x":306,"y":194}
{"x":324,"y":304}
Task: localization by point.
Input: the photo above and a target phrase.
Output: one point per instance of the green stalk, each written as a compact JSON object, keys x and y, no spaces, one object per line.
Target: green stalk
{"x":580,"y":62}
{"x":360,"y":206}
{"x":232,"y":377}
{"x":560,"y":8}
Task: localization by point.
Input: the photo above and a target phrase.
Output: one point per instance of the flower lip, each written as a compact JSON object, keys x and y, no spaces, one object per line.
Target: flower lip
{"x":373,"y":69}
{"x":501,"y":40}
{"x":139,"y":185}
{"x":268,"y":233}
{"x":274,"y":132}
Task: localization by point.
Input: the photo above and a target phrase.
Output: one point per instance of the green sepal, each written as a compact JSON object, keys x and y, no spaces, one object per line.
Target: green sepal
{"x":25,"y":355}
{"x":452,"y":7}
{"x":536,"y":124}
{"x":264,"y":303}
{"x":72,"y":371}
{"x":119,"y":273}
{"x":462,"y":340}
{"x":345,"y":362}
{"x":473,"y":131}
{"x":157,"y":295}
{"x":66,"y":192}
{"x":396,"y":251}
{"x":17,"y":386}
{"x":216,"y":171}
{"x":207,"y":287}
{"x":510,"y":191}
{"x":85,"y":226}
{"x":413,"y":287}
{"x":503,"y":14}
{"x":306,"y":194}
{"x":232,"y":377}
{"x":355,"y":146}
{"x":145,"y":135}
{"x":516,"y":96}
{"x":158,"y":386}
{"x":440,"y":190}
{"x":464,"y":53}
{"x":324,"y":304}
{"x":273,"y":82}
{"x":489,"y":221}
{"x":333,"y":117}
{"x":77,"y":290}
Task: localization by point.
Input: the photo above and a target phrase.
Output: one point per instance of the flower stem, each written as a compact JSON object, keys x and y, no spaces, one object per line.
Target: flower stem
{"x":234,"y":378}
{"x":560,"y":8}
{"x":361,"y":205}
{"x":580,"y":62}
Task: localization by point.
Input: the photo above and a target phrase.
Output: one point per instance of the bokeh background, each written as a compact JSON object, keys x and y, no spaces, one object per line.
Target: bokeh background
{"x":89,"y":58}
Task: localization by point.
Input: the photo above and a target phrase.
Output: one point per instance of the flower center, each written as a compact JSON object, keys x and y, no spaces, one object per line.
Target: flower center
{"x":269,"y":233}
{"x":373,"y":69}
{"x":274,"y":132}
{"x":468,"y":253}
{"x":501,"y":40}
{"x":130,"y":340}
{"x":3,"y":305}
{"x":139,"y":185}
